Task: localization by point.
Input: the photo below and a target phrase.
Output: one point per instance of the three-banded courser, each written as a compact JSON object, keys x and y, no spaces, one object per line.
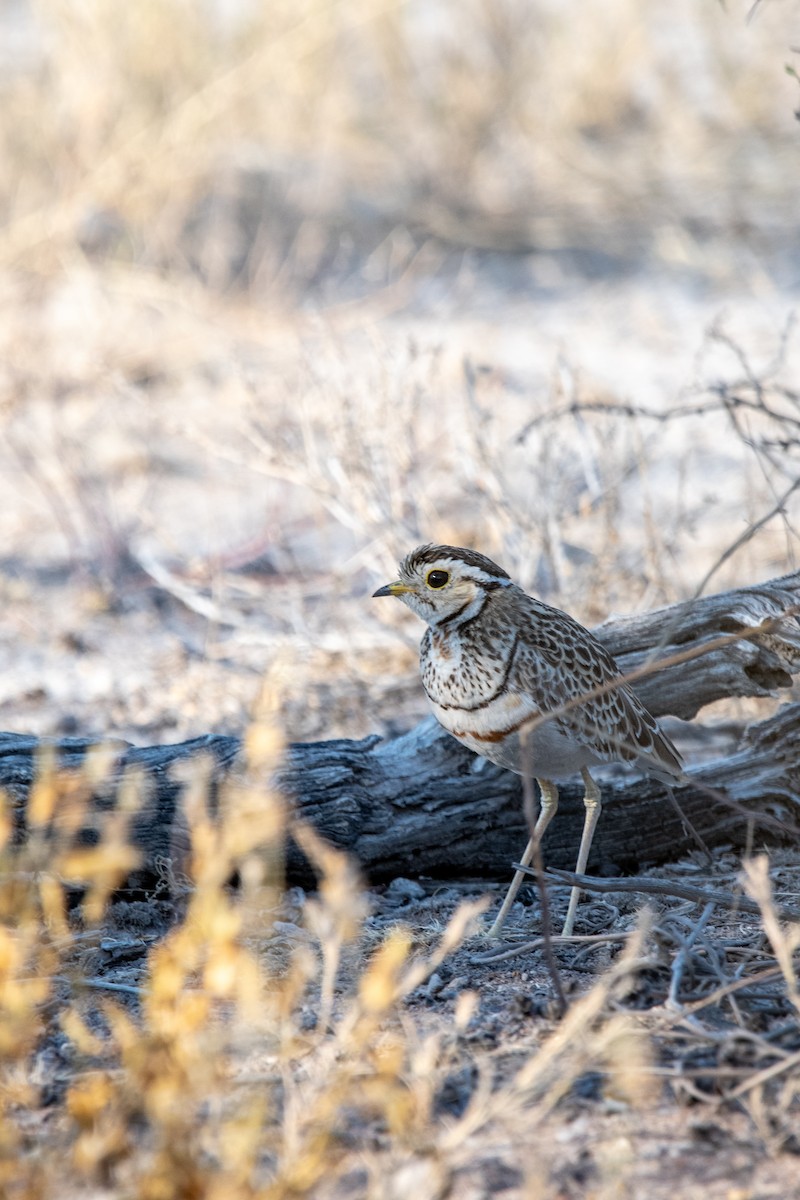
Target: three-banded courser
{"x":525,"y":685}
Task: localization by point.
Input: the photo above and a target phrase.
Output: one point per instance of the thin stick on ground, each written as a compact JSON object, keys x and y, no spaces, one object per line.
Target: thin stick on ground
{"x":574,"y":939}
{"x":682,"y":957}
{"x":661,"y":887}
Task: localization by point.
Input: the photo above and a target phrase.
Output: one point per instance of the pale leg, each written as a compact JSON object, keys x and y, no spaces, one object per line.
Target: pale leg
{"x":547,"y":811}
{"x":593,"y":808}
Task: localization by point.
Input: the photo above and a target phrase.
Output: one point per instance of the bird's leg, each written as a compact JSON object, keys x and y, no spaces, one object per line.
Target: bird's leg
{"x":547,"y":811}
{"x":591,"y":799}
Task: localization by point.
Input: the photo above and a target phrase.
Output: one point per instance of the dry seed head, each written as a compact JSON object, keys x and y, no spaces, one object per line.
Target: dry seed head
{"x":388,"y":1055}
{"x":99,"y":763}
{"x":344,"y":902}
{"x":54,"y":907}
{"x":79,"y":1034}
{"x":253,"y":818}
{"x":104,"y":868}
{"x":87,"y":1098}
{"x":626,"y":1049}
{"x":758,"y":885}
{"x":264,"y":741}
{"x":263,"y":745}
{"x":44,"y":794}
{"x":379,"y":984}
{"x":466,"y":1004}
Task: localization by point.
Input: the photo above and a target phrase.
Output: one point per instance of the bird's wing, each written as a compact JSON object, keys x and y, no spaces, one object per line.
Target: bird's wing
{"x":561,"y":666}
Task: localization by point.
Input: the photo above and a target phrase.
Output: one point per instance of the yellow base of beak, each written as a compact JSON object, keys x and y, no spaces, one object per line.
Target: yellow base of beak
{"x":392,"y":589}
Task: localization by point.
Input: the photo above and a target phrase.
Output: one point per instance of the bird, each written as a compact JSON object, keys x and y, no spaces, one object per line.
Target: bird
{"x":526,"y":686}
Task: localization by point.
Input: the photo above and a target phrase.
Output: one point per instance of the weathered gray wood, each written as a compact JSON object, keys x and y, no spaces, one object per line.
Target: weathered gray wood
{"x":422,"y":805}
{"x":755,"y":665}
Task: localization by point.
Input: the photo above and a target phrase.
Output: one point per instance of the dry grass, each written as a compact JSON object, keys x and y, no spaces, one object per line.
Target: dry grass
{"x":241,"y":1054}
{"x":263,"y":491}
{"x":490,"y":125}
{"x":233,"y":391}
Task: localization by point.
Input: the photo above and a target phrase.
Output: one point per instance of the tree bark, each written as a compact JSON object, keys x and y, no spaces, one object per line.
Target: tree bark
{"x":421,"y":804}
{"x":759,"y":625}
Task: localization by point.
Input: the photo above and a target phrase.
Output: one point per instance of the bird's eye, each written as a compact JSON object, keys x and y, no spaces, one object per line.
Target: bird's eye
{"x":437,"y":579}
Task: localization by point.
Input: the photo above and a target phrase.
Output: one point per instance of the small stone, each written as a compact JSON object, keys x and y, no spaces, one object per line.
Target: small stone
{"x":405,"y":889}
{"x":435,"y":984}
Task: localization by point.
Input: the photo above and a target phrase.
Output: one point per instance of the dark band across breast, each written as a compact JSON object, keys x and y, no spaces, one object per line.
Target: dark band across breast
{"x":497,"y":735}
{"x":499,"y":691}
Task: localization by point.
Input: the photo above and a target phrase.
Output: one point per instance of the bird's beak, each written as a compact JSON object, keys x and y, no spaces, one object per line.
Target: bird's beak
{"x":392,"y":589}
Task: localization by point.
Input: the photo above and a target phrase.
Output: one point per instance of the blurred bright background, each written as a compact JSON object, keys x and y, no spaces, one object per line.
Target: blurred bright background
{"x":287,"y":289}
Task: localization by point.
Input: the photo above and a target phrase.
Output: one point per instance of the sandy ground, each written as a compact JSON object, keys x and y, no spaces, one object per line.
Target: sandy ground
{"x":196,"y":502}
{"x":191,"y":495}
{"x":281,"y":300}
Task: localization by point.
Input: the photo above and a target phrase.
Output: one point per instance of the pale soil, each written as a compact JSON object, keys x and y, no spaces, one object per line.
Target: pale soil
{"x":269,"y":472}
{"x":200,"y":487}
{"x":196,"y":499}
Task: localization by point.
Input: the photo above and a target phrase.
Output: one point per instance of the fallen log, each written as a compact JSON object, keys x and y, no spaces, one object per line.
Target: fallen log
{"x":744,"y":642}
{"x":421,"y":804}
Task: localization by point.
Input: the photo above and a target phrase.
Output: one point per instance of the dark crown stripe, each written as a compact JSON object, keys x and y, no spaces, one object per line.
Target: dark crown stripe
{"x":471,"y":558}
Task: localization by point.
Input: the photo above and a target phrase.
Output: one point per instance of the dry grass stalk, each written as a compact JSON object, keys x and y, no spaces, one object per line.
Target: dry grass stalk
{"x":162,"y":1099}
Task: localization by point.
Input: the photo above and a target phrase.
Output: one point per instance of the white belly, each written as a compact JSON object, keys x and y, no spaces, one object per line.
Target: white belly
{"x":495,"y":732}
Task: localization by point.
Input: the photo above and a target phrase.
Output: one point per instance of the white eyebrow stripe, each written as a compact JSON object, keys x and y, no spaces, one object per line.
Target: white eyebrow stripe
{"x":493,"y":580}
{"x":477,"y":573}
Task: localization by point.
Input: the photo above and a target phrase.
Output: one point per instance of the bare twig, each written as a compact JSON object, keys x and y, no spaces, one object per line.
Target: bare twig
{"x":104,"y":985}
{"x":614,"y":409}
{"x":768,"y":1073}
{"x":749,"y":533}
{"x":661,"y":887}
{"x":768,"y":975}
{"x":681,"y":958}
{"x":575,"y":939}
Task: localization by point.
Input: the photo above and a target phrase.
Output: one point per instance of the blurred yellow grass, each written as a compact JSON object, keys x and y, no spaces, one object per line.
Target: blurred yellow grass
{"x":158,"y":1104}
{"x":485,"y":124}
{"x":502,"y":124}
{"x":215,"y":1083}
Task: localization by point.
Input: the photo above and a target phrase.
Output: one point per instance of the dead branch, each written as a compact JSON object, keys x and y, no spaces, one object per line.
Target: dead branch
{"x":421,"y":804}
{"x":662,"y":887}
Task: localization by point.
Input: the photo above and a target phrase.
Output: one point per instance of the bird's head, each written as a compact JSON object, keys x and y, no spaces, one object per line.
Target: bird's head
{"x":440,"y":583}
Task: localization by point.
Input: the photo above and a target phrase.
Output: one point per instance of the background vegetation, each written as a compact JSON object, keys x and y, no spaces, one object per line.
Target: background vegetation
{"x":285,"y":289}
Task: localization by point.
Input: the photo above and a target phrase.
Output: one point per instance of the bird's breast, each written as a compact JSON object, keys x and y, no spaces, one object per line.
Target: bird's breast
{"x":455,"y":676}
